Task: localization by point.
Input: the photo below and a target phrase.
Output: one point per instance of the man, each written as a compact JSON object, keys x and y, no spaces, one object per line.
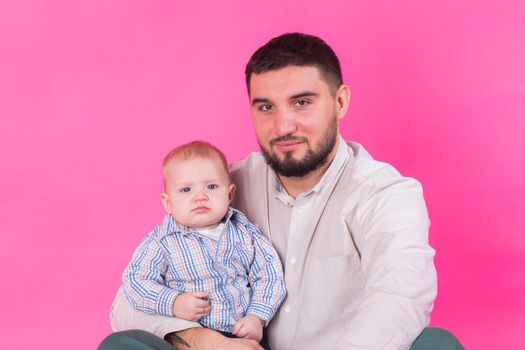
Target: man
{"x":352,"y":233}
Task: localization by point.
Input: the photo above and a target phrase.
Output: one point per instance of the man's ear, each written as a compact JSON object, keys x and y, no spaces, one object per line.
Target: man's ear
{"x":231,"y":191}
{"x":342,"y":100}
{"x":165,"y":202}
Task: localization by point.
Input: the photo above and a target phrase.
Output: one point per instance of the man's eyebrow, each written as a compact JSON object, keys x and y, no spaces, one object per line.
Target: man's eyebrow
{"x":260,"y":100}
{"x":293,"y":97}
{"x":304,"y":94}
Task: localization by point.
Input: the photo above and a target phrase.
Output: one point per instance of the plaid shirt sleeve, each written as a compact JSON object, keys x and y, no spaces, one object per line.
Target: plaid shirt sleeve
{"x":143,"y":279}
{"x":266,"y":278}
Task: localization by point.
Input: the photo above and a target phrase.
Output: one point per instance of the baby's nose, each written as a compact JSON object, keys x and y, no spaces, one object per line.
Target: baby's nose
{"x":201,"y":196}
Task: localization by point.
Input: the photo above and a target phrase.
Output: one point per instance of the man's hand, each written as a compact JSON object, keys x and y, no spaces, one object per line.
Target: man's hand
{"x":250,"y":327}
{"x":207,"y":339}
{"x":191,"y":306}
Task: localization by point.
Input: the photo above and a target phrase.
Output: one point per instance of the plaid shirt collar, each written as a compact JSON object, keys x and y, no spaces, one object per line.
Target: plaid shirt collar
{"x":170,"y":226}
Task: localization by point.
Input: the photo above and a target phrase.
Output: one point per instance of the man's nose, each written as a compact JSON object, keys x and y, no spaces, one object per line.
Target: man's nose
{"x":284,"y":123}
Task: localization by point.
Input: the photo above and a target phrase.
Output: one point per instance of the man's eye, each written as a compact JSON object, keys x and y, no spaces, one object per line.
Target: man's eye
{"x":185,"y":189}
{"x":212,"y":186}
{"x":265,"y":108}
{"x":302,"y":103}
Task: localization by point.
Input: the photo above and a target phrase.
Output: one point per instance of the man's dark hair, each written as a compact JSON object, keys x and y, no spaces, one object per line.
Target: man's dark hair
{"x":296,"y":49}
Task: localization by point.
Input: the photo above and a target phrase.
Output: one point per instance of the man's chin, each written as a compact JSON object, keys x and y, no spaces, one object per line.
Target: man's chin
{"x":289,"y":160}
{"x":289,"y":156}
{"x":291,"y":164}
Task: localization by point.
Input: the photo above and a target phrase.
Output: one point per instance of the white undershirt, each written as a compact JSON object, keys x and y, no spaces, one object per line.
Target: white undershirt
{"x":213,"y":233}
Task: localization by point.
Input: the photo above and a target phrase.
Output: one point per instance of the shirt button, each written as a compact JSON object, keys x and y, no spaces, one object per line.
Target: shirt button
{"x":287,"y":309}
{"x":292,"y":261}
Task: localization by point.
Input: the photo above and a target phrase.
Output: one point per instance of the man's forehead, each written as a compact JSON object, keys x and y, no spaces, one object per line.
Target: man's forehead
{"x":287,"y":82}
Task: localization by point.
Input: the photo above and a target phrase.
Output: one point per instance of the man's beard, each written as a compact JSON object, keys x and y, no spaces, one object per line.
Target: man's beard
{"x":313,"y":160}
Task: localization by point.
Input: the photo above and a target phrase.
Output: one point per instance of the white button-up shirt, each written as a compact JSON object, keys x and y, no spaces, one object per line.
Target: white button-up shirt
{"x":358,"y":268}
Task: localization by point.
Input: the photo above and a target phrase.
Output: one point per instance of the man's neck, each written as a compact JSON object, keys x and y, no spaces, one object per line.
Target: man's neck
{"x":299,"y":184}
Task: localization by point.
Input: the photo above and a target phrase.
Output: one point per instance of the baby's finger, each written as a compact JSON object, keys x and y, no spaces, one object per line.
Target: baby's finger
{"x":200,"y":295}
{"x":207,"y":310}
{"x":242,"y":331}
{"x":203,"y":310}
{"x":197,"y":317}
{"x":236,"y":328}
{"x":200,"y":303}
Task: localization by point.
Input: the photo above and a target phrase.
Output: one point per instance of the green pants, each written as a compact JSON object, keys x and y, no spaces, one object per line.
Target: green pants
{"x":430,"y":339}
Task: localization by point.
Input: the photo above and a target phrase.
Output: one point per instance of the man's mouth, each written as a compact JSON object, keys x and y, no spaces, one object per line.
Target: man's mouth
{"x":287,"y":146}
{"x":287,"y":143}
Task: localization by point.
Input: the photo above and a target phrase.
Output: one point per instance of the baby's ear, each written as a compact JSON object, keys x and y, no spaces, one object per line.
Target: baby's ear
{"x":231,"y":191}
{"x":165,"y":202}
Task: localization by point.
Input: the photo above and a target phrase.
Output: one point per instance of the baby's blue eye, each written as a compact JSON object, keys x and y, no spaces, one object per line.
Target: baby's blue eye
{"x":212,"y":186}
{"x":185,"y":189}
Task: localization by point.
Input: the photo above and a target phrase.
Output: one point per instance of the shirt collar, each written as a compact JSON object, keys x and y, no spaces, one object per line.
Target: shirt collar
{"x":341,"y":157}
{"x":170,"y":226}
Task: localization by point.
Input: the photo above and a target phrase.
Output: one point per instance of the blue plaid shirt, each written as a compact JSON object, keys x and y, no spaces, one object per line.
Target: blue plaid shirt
{"x":241,"y":271}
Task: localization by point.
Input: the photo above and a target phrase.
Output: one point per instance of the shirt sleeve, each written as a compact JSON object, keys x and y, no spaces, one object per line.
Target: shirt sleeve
{"x":124,"y":317}
{"x":143,"y":279}
{"x":266,"y":278}
{"x":391,"y":233}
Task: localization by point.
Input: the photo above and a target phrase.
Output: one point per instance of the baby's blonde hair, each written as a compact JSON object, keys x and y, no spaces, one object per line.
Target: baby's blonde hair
{"x":194,"y":149}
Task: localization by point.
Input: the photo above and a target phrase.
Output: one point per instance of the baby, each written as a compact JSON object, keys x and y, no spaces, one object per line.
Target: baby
{"x":205,"y":262}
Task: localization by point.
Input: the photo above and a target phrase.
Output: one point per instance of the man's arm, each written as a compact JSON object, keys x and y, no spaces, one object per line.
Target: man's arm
{"x":392,"y":235}
{"x":207,"y":339}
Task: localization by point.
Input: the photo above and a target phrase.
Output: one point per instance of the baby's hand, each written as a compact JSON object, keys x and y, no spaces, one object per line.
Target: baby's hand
{"x":250,"y":327}
{"x":191,"y":306}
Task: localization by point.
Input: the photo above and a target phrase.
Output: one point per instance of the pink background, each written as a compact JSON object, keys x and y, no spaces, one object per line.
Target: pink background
{"x":94,"y":93}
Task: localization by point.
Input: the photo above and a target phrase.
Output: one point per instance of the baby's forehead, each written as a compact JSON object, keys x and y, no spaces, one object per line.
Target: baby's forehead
{"x":178,"y":163}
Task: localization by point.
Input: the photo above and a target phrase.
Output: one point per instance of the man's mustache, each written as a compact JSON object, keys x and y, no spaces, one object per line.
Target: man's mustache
{"x":287,"y":138}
